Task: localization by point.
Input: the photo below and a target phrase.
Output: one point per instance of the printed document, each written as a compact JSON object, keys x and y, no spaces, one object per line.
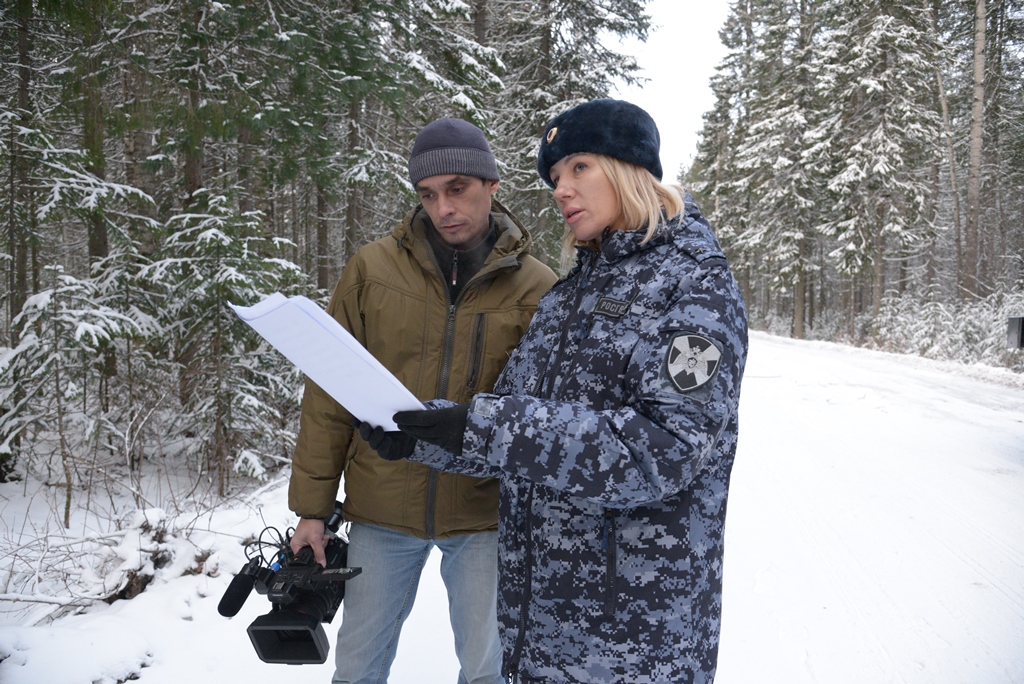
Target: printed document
{"x":330,"y":357}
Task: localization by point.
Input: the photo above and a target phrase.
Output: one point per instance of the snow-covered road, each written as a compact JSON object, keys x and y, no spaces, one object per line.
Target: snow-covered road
{"x":875,"y":535}
{"x":876,"y":522}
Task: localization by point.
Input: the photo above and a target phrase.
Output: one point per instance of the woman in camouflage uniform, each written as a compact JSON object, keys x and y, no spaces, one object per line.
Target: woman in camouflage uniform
{"x":613,"y":426}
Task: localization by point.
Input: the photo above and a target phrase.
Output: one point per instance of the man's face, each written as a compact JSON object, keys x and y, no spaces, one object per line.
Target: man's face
{"x":459,"y":206}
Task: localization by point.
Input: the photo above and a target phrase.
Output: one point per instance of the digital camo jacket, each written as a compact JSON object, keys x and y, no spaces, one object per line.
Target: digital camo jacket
{"x":613,"y":429}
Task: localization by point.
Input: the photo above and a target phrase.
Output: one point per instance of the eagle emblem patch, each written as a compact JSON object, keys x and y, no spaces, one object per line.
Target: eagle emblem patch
{"x":691,"y":361}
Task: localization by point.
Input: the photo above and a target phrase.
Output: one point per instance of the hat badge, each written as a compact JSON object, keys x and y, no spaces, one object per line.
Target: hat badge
{"x":551,"y":134}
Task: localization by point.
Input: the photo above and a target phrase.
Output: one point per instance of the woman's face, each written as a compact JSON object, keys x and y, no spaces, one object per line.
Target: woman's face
{"x":585,"y":196}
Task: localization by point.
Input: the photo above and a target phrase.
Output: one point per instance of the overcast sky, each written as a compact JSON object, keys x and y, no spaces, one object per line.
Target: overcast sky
{"x":679,"y":57}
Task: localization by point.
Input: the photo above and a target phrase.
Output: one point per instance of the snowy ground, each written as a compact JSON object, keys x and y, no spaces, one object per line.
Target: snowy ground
{"x":875,"y":535}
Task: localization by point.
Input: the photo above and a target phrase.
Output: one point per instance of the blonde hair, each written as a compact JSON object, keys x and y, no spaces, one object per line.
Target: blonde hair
{"x":643,"y":200}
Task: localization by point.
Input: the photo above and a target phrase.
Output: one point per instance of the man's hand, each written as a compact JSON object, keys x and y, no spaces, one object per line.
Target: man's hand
{"x":391,"y":446}
{"x":443,"y":427}
{"x":310,"y":532}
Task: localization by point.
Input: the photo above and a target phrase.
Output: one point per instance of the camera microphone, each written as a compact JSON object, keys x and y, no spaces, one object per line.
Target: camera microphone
{"x":239,"y":590}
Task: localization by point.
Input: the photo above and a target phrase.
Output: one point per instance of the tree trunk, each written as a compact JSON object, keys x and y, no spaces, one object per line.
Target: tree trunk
{"x":971,"y":244}
{"x":323,"y":250}
{"x":877,"y":275}
{"x":948,"y":129}
{"x":480,"y":17}
{"x":222,"y":421}
{"x":353,"y":204}
{"x":245,"y":193}
{"x":20,"y":197}
{"x":21,"y":214}
{"x":993,"y":258}
{"x":308,"y":229}
{"x":298,"y":236}
{"x":746,"y":287}
{"x":848,"y":304}
{"x":544,"y":81}
{"x":195,"y":132}
{"x":800,"y":287}
{"x":931,"y":215}
{"x":803,"y":220}
{"x":137,"y":143}
{"x":193,"y":148}
{"x":93,"y":130}
{"x":812,"y":305}
{"x":799,"y":304}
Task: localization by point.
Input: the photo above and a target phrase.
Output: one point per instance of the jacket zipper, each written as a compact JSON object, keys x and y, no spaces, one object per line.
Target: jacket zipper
{"x":432,"y":478}
{"x":442,"y":381}
{"x":611,"y":551}
{"x":477,"y":354}
{"x":446,"y":354}
{"x":449,"y":328}
{"x":548,"y":378}
{"x":512,"y":671}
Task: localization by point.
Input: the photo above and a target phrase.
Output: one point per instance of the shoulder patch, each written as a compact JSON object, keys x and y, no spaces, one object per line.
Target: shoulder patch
{"x":703,"y":255}
{"x":691,"y":361}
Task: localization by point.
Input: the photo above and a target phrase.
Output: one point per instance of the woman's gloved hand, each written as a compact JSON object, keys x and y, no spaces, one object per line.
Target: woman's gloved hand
{"x":443,"y":427}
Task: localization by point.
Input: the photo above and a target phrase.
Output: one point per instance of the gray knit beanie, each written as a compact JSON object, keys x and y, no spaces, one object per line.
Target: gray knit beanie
{"x":451,"y":146}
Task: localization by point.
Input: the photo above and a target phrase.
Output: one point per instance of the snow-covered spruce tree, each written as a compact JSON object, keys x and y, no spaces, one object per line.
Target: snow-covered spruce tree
{"x":239,"y":106}
{"x":782,"y":106}
{"x":870,"y":147}
{"x":969,"y":332}
{"x":17,"y":195}
{"x":138,"y":375}
{"x":1002,"y":238}
{"x":236,"y":398}
{"x":364,"y":175}
{"x":92,"y":49}
{"x":878,"y":138}
{"x":709,"y":176}
{"x":556,"y":54}
{"x":324,"y":73}
{"x":64,"y":197}
{"x":442,"y":69}
{"x":45,"y":380}
{"x":719,"y":186}
{"x":410,"y":63}
{"x":442,"y":51}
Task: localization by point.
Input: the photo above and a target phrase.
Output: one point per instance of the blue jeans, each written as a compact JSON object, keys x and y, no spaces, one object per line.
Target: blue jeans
{"x":378,"y":601}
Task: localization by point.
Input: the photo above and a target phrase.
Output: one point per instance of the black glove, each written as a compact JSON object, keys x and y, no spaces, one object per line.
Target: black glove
{"x":391,"y":446}
{"x":443,"y":427}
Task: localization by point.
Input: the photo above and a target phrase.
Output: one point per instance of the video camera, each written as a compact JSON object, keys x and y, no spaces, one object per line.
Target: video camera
{"x":303,"y":594}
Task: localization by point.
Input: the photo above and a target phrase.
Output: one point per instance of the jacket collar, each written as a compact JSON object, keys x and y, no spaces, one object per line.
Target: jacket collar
{"x":619,"y":244}
{"x":687,"y":227}
{"x":513,"y":242}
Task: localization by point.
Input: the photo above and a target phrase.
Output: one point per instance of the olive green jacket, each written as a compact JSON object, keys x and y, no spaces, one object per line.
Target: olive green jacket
{"x":393,"y":299}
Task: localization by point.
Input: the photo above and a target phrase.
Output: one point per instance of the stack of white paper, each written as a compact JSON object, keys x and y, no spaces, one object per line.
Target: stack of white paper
{"x":330,"y":357}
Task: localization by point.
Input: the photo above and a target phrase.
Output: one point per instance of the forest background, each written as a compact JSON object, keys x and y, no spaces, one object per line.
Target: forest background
{"x":862,"y":166}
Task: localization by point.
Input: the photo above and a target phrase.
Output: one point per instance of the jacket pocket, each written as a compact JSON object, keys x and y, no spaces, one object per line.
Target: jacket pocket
{"x":476,"y":356}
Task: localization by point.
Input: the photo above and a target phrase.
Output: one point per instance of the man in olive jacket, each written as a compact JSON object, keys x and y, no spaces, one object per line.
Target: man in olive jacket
{"x":441,"y":302}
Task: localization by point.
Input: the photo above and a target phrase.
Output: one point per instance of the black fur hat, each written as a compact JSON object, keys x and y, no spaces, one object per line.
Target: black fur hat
{"x":614,"y":128}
